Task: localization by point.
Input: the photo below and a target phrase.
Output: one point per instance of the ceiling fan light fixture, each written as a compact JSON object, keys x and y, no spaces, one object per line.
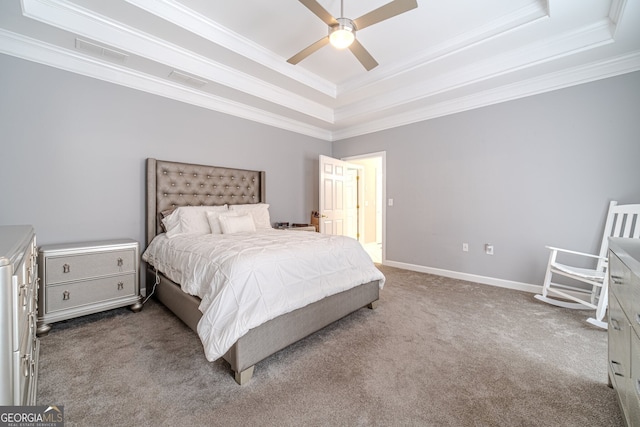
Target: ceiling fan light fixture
{"x":342,"y":34}
{"x":342,"y":31}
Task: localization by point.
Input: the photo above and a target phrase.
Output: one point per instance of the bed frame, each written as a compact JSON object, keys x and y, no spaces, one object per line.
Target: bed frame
{"x":173,"y":184}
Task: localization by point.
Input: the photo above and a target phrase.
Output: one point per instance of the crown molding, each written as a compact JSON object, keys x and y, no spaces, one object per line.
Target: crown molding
{"x":598,"y":70}
{"x":34,"y":50}
{"x":43,"y":53}
{"x":497,"y":28}
{"x":188,"y":19}
{"x":422,"y":94}
{"x":615,"y":13}
{"x":72,"y":18}
{"x":542,"y":51}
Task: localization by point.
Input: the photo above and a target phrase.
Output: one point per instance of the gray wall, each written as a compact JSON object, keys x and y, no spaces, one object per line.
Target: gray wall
{"x":73,"y":151}
{"x":519,"y":175}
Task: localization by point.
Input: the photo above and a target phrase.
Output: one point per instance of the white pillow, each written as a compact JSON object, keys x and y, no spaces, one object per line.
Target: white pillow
{"x":214,"y":220}
{"x":236,"y":223}
{"x":169,"y":221}
{"x":259,"y":212}
{"x":190,"y":220}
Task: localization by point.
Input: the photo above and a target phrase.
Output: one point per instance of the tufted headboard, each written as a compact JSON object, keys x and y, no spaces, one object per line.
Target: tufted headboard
{"x":174,"y":184}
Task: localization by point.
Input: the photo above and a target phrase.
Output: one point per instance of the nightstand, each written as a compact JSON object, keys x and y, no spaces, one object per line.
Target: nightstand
{"x":303,"y":228}
{"x":77,"y":279}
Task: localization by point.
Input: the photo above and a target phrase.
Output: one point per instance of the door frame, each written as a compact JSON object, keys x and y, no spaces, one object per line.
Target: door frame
{"x":383,"y":156}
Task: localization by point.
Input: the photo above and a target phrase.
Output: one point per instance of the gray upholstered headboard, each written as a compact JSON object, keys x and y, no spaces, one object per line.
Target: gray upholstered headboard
{"x":174,"y":184}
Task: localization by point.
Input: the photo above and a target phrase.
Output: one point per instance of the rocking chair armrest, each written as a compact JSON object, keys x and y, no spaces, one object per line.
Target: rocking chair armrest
{"x":575,"y":252}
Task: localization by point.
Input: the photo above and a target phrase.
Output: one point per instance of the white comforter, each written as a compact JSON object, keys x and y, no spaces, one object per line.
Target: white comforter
{"x":246,"y":279}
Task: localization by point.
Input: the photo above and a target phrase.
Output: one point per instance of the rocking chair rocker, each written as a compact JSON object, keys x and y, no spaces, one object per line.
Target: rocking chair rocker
{"x":622,"y":221}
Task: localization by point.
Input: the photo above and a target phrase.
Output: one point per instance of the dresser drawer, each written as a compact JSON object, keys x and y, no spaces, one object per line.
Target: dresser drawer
{"x":82,"y":266}
{"x":19,"y":312}
{"x":24,"y":305}
{"x":634,"y":303}
{"x":25,"y":368}
{"x":76,"y":294}
{"x":619,"y":332}
{"x":633,"y":395}
{"x":620,"y":281}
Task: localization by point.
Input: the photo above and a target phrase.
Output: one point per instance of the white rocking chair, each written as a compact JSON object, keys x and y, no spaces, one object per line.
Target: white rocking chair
{"x":622,"y":221}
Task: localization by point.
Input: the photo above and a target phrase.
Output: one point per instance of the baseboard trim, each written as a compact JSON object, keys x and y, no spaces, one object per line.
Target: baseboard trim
{"x":519,"y":286}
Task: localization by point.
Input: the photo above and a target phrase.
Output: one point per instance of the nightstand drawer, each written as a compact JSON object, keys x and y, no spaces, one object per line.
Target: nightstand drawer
{"x":70,"y":295}
{"x":82,"y":266}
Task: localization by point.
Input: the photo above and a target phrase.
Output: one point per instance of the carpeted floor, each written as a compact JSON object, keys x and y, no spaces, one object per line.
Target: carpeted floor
{"x":436,"y":352}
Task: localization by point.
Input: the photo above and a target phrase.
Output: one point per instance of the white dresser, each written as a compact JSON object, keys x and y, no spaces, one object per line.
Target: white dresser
{"x":624,"y":325}
{"x":18,"y":311}
{"x":77,"y":279}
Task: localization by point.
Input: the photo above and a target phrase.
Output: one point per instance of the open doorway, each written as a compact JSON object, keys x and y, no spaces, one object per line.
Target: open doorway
{"x":373,"y":212}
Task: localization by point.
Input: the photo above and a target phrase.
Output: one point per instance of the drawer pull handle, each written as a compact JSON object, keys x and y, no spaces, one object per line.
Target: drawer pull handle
{"x":23,"y":294}
{"x":25,"y":365}
{"x":66,"y":268}
{"x":615,"y":366}
{"x":66,"y":295}
{"x":120,"y":262}
{"x":615,"y":325}
{"x":120,"y":286}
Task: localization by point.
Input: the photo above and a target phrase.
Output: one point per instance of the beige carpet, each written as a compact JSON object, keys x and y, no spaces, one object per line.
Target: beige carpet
{"x":436,"y":352}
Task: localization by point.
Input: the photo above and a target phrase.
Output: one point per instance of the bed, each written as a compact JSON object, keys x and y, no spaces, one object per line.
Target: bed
{"x":170,"y":185}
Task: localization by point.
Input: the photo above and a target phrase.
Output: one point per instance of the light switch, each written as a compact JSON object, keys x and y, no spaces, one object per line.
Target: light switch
{"x":390,"y":202}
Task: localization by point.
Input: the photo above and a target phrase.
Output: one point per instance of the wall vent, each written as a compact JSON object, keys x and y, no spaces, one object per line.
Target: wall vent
{"x":97,"y":50}
{"x":186,"y":79}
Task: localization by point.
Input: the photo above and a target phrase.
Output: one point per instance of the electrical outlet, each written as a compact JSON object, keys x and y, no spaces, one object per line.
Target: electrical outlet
{"x":488,"y":249}
{"x":465,"y":247}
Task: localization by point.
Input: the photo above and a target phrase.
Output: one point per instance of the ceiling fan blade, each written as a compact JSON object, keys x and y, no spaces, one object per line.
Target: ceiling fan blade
{"x":319,"y":11}
{"x":308,"y":50}
{"x":363,"y":56}
{"x":387,"y":11}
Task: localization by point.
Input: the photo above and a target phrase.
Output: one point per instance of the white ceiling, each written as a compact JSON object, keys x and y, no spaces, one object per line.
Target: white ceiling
{"x":440,"y":58}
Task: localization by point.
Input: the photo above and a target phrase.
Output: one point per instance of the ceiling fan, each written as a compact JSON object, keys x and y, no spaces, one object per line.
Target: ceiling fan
{"x":342,"y":31}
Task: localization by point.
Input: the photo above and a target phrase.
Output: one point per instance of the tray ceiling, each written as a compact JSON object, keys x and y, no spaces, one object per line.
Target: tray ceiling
{"x":441,"y":58}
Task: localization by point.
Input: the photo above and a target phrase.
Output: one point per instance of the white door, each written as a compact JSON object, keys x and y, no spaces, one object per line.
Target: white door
{"x":338,"y":186}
